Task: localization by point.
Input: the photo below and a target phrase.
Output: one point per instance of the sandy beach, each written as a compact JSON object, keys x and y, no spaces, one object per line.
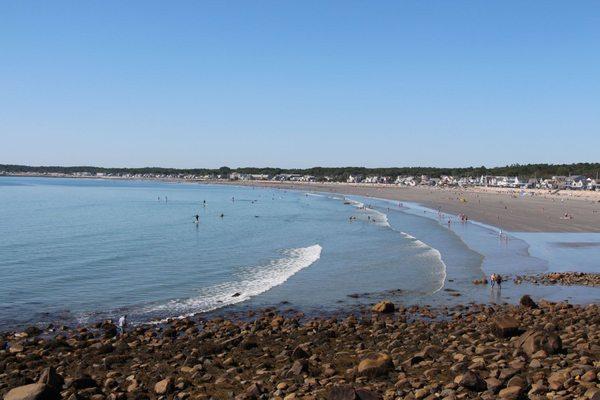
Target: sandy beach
{"x":506,"y":209}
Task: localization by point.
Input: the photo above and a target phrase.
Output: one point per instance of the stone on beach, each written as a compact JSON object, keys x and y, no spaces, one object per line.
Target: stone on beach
{"x":51,"y":378}
{"x":375,"y":365}
{"x":472,"y":381}
{"x":506,"y":327}
{"x":533,"y":341}
{"x":347,"y":392}
{"x":34,"y":391}
{"x":527,"y":301}
{"x":384,"y":307}
{"x":163,"y":387}
{"x":420,"y":352}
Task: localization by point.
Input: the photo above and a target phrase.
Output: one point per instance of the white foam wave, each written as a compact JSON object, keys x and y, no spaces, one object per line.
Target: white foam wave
{"x":249,"y":283}
{"x":430,"y":251}
{"x":378,"y":217}
{"x":381,"y":219}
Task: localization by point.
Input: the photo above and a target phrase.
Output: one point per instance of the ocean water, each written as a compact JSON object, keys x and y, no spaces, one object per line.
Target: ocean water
{"x":81,"y":250}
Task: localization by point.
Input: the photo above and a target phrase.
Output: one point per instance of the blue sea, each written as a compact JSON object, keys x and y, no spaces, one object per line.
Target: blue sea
{"x":76,"y":251}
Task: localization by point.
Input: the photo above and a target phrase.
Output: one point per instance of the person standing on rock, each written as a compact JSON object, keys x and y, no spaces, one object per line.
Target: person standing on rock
{"x":122,"y":325}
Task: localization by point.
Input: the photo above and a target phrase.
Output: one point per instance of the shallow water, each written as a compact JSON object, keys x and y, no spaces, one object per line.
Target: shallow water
{"x":78,"y":250}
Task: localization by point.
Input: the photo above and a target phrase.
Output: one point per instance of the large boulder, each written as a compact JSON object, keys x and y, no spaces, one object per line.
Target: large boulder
{"x":34,"y":391}
{"x":506,"y":327}
{"x":109,"y":329}
{"x":527,"y":301}
{"x":384,"y":307}
{"x":470,"y":380}
{"x":533,"y":341}
{"x":375,"y":365}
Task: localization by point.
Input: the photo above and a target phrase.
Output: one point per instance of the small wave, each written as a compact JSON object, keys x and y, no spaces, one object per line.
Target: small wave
{"x":378,"y":217}
{"x":381,"y":219}
{"x":430,"y":251}
{"x":249,"y":283}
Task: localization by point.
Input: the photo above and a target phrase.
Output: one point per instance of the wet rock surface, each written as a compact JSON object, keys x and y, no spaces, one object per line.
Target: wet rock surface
{"x":561,"y":278}
{"x":546,"y":351}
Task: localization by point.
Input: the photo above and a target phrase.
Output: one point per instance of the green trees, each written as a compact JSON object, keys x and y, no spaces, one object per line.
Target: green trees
{"x":334,"y":173}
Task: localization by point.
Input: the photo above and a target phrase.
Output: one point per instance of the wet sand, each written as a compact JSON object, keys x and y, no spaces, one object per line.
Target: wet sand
{"x":542,"y":212}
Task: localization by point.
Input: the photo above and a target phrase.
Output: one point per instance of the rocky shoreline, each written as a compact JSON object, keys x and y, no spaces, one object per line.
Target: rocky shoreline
{"x":561,"y":278}
{"x":529,"y":351}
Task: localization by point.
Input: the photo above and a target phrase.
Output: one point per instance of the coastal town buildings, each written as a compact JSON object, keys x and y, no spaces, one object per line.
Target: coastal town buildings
{"x":557,"y":182}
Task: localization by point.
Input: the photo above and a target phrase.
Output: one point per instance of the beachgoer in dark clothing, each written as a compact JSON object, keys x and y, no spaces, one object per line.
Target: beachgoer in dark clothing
{"x":499,"y":281}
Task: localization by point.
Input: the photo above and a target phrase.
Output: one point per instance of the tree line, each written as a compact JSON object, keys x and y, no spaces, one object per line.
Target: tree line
{"x":335,"y":173}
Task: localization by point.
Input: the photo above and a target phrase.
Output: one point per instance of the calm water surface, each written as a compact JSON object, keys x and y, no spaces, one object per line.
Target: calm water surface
{"x":78,"y":250}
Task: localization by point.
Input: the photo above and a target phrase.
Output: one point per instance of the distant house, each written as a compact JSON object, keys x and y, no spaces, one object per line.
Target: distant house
{"x":307,"y":178}
{"x":259,"y":177}
{"x":404,"y":180}
{"x":447,"y":180}
{"x":576,"y":182}
{"x":531,"y":183}
{"x":377,"y":179}
{"x":354,"y":179}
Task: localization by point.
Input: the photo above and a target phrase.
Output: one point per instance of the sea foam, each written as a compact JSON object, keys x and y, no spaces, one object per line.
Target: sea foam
{"x":248,"y":283}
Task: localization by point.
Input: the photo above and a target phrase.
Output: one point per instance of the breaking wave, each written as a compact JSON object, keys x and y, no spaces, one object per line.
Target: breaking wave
{"x":433,"y":252}
{"x":248,"y":283}
{"x":377,"y":217}
{"x":381,"y":219}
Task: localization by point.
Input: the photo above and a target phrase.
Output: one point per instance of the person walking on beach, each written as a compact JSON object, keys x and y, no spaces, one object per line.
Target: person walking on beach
{"x":499,"y":281}
{"x":122,"y":325}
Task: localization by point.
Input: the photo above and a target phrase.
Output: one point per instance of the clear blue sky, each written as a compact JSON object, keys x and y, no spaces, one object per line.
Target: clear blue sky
{"x":299,"y":83}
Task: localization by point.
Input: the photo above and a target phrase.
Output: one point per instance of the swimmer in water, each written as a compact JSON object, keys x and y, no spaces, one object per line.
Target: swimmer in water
{"x":197,"y":218}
